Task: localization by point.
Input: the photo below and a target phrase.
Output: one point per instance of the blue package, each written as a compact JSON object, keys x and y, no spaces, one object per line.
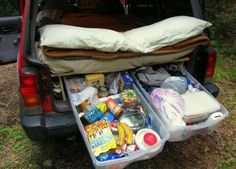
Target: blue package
{"x":125,"y":81}
{"x":118,"y":101}
{"x":93,"y":115}
{"x":103,"y":157}
{"x":109,"y":116}
{"x":114,"y":156}
{"x":107,"y":156}
{"x":189,"y":81}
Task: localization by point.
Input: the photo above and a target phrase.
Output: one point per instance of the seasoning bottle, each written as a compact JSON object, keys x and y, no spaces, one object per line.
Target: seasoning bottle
{"x":113,"y":106}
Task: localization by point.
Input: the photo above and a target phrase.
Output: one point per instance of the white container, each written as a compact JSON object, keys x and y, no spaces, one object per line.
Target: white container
{"x":180,"y":133}
{"x":147,"y":139}
{"x":156,"y":125}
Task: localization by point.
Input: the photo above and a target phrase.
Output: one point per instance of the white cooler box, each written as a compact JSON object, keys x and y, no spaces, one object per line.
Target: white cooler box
{"x":156,"y":124}
{"x":180,"y":133}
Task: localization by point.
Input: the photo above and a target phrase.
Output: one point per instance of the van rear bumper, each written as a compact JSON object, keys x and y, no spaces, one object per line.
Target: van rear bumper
{"x":52,"y":125}
{"x":46,"y":126}
{"x":212,"y":88}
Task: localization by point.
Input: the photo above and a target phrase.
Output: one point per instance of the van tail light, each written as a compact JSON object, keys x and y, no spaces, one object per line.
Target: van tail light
{"x":212,"y":54}
{"x":47,"y":104}
{"x":29,"y":88}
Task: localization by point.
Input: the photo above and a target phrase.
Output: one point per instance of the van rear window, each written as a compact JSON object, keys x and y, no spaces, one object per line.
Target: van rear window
{"x":161,"y":9}
{"x":176,"y":7}
{"x":109,"y":13}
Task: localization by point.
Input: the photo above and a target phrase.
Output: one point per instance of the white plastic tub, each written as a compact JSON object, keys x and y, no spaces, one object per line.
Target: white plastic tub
{"x":156,"y":124}
{"x":185,"y":132}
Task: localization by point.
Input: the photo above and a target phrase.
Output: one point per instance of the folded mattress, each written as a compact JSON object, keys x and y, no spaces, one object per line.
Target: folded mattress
{"x":78,"y":61}
{"x":176,"y":48}
{"x":83,"y":65}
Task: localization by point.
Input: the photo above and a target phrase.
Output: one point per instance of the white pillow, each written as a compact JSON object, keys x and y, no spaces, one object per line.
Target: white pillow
{"x":72,"y":37}
{"x":164,"y":33}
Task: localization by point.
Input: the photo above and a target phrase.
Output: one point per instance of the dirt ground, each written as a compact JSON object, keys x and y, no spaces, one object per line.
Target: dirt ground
{"x":202,"y":151}
{"x":9,"y":98}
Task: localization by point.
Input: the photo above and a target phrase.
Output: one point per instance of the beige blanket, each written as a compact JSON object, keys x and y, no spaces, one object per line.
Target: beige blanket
{"x":60,"y":66}
{"x":176,"y":48}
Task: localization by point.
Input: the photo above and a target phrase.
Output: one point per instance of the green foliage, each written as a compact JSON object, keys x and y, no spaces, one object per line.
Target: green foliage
{"x":228,"y":165}
{"x":222,"y":14}
{"x":13,"y":134}
{"x":6,"y":9}
{"x":21,"y":148}
{"x":225,"y":68}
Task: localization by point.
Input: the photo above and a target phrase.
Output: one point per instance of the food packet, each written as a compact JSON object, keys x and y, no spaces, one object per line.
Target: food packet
{"x":129,"y":98}
{"x":100,"y":137}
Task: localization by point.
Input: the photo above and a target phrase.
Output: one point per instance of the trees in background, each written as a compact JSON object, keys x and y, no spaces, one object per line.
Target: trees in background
{"x":222,"y":14}
{"x":7,"y":9}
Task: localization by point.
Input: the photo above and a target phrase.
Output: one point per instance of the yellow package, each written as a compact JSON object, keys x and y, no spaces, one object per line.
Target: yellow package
{"x":102,"y":106}
{"x":95,"y":80}
{"x":100,"y":137}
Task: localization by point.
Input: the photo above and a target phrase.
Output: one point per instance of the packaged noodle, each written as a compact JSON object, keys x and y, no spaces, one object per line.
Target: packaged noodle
{"x":100,"y":137}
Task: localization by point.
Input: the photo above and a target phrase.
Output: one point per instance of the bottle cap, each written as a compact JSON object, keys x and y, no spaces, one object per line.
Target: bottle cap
{"x":150,"y":139}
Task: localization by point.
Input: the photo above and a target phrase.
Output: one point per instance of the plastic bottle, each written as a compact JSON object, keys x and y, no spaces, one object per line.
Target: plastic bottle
{"x":113,"y":106}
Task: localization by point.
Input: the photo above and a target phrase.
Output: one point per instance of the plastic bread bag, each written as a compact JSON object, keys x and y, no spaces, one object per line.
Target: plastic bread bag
{"x":77,"y":84}
{"x":169,"y":103}
{"x":173,"y":113}
{"x":89,"y":93}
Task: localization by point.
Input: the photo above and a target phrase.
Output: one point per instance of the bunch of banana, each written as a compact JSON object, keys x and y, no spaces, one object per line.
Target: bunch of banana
{"x":125,"y":134}
{"x":121,"y":134}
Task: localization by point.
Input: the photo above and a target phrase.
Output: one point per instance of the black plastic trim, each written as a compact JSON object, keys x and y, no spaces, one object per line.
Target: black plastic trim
{"x":212,"y":88}
{"x":47,"y":126}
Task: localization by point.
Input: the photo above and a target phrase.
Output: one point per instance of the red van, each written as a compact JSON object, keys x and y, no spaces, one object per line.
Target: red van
{"x":42,"y":115}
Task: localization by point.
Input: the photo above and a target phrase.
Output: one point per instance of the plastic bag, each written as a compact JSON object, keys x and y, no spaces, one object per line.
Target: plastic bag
{"x":114,"y":86}
{"x":89,"y":93}
{"x":77,"y":84}
{"x":170,"y":103}
{"x":176,"y":83}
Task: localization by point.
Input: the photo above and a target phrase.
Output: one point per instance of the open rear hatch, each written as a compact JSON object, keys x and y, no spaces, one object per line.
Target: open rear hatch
{"x":125,"y":126}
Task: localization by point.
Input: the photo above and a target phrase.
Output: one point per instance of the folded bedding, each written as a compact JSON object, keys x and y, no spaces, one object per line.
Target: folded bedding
{"x":78,"y":50}
{"x":164,"y":33}
{"x":144,"y":39}
{"x":79,"y":65}
{"x":71,"y":37}
{"x":176,"y":48}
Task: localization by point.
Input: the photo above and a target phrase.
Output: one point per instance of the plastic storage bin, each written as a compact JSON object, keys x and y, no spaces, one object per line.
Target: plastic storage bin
{"x":185,"y":132}
{"x":156,"y":124}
